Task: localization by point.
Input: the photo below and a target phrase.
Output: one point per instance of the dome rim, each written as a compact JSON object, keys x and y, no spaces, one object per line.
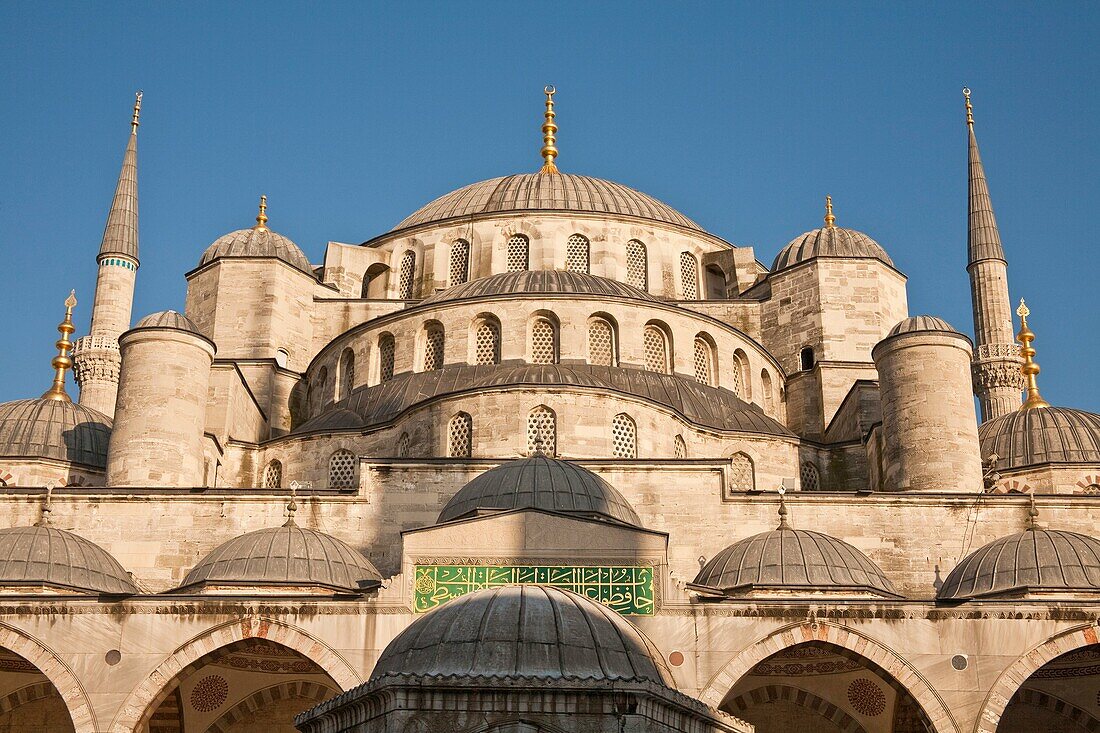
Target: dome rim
{"x":801,"y":239}
{"x":228,"y":240}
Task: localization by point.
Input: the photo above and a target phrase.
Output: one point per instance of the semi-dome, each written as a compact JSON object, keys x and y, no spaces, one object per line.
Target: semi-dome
{"x":541,"y":282}
{"x":1042,"y":435}
{"x":541,"y":192}
{"x":914,"y":324}
{"x":544,"y":483}
{"x":56,"y":429}
{"x":285,"y":556}
{"x":830,"y":241}
{"x":168,"y":319}
{"x":1033,"y":561}
{"x":528,"y":631}
{"x":46,"y":556}
{"x":792,"y":560}
{"x":259,"y":241}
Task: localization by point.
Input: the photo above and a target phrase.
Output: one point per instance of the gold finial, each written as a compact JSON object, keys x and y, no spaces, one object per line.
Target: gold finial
{"x":1029,"y":368}
{"x":137,"y":111}
{"x":783,"y":509}
{"x":830,"y":220}
{"x":291,"y":506}
{"x":969,"y":107}
{"x":46,"y":509}
{"x":549,"y":150}
{"x":62,"y":362}
{"x":1032,"y":513}
{"x":261,"y":219}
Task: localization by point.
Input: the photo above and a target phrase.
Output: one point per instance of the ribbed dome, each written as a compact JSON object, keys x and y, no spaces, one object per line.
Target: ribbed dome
{"x":1033,"y":560}
{"x":257,"y":243}
{"x":285,"y":556}
{"x":31,"y":556}
{"x":523,"y":631}
{"x":541,"y":281}
{"x":793,"y":560}
{"x":54,"y":429}
{"x":541,"y":192}
{"x":539,"y":482}
{"x":921,"y":323}
{"x":1042,"y":435}
{"x":168,"y":319}
{"x":829,"y":242}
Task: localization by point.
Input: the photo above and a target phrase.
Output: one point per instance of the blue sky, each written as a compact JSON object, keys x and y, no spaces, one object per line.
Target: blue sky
{"x":743,"y":116}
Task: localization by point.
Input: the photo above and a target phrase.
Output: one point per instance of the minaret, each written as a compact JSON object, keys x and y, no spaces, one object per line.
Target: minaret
{"x":96,"y":355}
{"x":996,"y":368}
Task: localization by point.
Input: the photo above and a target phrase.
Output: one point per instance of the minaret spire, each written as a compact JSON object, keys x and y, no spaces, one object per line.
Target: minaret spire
{"x":997,"y":378}
{"x":549,"y":130}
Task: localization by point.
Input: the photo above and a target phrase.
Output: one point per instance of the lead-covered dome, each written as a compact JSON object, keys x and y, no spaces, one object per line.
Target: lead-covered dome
{"x":527,"y":631}
{"x":1041,"y":435}
{"x":285,"y":556}
{"x":545,"y":192}
{"x":830,"y":241}
{"x":55,"y":429}
{"x":1033,"y":561}
{"x":543,"y":483}
{"x":916,"y":324}
{"x":46,"y":556}
{"x":540,"y":282}
{"x":168,"y":319}
{"x":257,"y":242}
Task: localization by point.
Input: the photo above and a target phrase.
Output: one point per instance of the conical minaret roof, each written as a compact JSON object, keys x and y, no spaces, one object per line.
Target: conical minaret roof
{"x":120,"y":236}
{"x":983,"y":239}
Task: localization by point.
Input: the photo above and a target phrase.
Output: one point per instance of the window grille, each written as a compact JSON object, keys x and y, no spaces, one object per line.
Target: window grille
{"x":405,"y":278}
{"x":637,"y":268}
{"x":403,"y":446}
{"x":655,"y":348}
{"x":543,"y":342}
{"x":542,"y":431}
{"x":811,"y":479}
{"x":459,"y":436}
{"x":601,"y":343}
{"x":433,"y":349}
{"x":487,"y":343}
{"x":273,"y":475}
{"x":742,"y":473}
{"x":624,"y":440}
{"x":737,"y":384}
{"x":704,"y":370}
{"x":689,"y":276}
{"x":460,"y":262}
{"x":576,"y":253}
{"x":680,"y":449}
{"x":347,"y":373}
{"x":341,"y":470}
{"x":518,"y":253}
{"x":385,"y":357}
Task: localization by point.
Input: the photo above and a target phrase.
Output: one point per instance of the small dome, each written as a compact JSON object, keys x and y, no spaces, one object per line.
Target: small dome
{"x":1042,"y":435}
{"x":285,"y":556}
{"x":1033,"y":560}
{"x":921,"y":323}
{"x":793,"y":560}
{"x":168,"y":319}
{"x":541,"y":281}
{"x":523,"y":631}
{"x":830,"y":242}
{"x":540,"y":192}
{"x":257,"y":243}
{"x":56,"y":429}
{"x":541,"y":483}
{"x":32,"y":556}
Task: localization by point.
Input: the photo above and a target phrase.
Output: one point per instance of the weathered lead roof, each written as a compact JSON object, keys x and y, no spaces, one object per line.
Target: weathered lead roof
{"x":829,"y":242}
{"x":540,"y":281}
{"x":540,"y":482}
{"x":983,"y":239}
{"x":1043,"y":435}
{"x":285,"y":556}
{"x":523,"y":631}
{"x":793,"y":560}
{"x":711,"y":407}
{"x":120,"y":235}
{"x":257,"y":243}
{"x":168,"y":319}
{"x":1033,"y":560}
{"x":921,"y":323}
{"x":54,"y":429}
{"x":541,"y":192}
{"x":31,"y":556}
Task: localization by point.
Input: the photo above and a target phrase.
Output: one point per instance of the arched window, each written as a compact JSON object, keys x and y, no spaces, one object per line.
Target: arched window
{"x":704,"y":361}
{"x":374,"y":281}
{"x":542,"y":431}
{"x":341,"y":470}
{"x":544,"y":341}
{"x":487,"y":341}
{"x":460,"y":262}
{"x":689,"y":276}
{"x":679,"y":447}
{"x":602,"y":346}
{"x":624,"y":437}
{"x":742,"y":473}
{"x":347,"y":373}
{"x":518,"y":253}
{"x":433,"y":347}
{"x":385,"y":357}
{"x":806,"y":359}
{"x":811,"y":479}
{"x":637,"y":265}
{"x":403,"y":446}
{"x":766,"y":389}
{"x":716,"y":283}
{"x":460,"y":432}
{"x":656,"y":351}
{"x":407,"y":275}
{"x":742,"y":385}
{"x":273,"y":475}
{"x":576,"y":253}
{"x":321,"y":391}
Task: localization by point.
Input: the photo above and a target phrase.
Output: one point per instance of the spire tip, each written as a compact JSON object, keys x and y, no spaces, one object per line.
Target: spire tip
{"x":549,"y":129}
{"x":830,"y":220}
{"x":261,"y":218}
{"x":63,"y":362}
{"x":137,"y":111}
{"x":1029,"y":368}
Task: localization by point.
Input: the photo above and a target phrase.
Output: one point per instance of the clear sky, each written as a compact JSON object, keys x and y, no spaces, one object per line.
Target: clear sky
{"x":743,"y":116}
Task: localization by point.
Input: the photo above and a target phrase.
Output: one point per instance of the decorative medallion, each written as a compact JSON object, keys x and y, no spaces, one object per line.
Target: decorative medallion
{"x":210,"y":693}
{"x":866,"y":697}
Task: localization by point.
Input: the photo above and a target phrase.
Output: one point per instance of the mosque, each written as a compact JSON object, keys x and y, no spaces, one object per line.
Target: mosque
{"x":547,"y":457}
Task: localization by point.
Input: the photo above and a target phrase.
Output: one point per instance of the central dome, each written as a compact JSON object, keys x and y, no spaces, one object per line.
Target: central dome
{"x":546,"y":192}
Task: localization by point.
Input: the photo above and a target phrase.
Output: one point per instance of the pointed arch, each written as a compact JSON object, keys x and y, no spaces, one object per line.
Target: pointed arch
{"x":767,"y":391}
{"x":313,"y":692}
{"x":542,"y":431}
{"x":577,"y":253}
{"x":544,"y":331}
{"x":460,"y":436}
{"x":679,"y":447}
{"x":637,"y":265}
{"x":705,"y":361}
{"x":60,"y":675}
{"x":342,"y":469}
{"x":374,"y":281}
{"x":742,"y":383}
{"x":434,"y":342}
{"x":403,"y":444}
{"x":809,"y":477}
{"x":742,"y":473}
{"x":273,"y":475}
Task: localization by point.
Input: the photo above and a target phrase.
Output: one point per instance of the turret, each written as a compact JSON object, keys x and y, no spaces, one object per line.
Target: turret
{"x":96,"y":356}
